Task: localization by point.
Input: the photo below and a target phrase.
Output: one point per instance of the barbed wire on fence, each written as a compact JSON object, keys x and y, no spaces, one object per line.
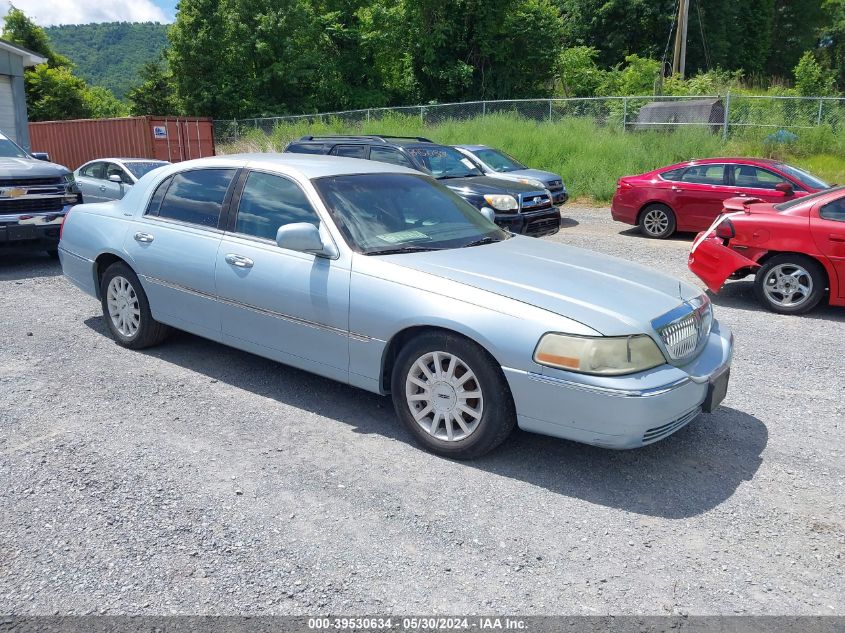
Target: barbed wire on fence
{"x":721,"y":113}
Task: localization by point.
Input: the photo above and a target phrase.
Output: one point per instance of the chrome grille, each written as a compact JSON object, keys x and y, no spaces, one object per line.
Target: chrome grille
{"x":683,"y":329}
{"x":534,"y":201}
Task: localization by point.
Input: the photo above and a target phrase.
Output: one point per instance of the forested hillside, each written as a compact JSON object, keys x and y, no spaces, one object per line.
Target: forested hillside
{"x":109,"y":55}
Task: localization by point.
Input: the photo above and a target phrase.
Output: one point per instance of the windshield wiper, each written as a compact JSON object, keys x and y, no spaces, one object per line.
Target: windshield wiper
{"x":404,"y":249}
{"x":447,"y":177}
{"x":483,"y":240}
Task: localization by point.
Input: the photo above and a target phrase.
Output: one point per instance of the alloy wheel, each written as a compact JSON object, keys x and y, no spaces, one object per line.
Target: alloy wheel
{"x":444,"y":396}
{"x":655,"y":222}
{"x":123,"y":305}
{"x":788,"y":285}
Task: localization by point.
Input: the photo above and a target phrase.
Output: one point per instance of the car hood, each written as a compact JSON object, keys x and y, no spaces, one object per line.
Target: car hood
{"x":610,"y":295}
{"x":481,"y":185}
{"x":30,"y":168}
{"x":543,"y":176}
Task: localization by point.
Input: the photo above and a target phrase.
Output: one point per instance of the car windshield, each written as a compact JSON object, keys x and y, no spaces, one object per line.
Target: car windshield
{"x":381,"y":214}
{"x":786,"y":206}
{"x":803,"y":177}
{"x":141,"y":168}
{"x":444,"y":162}
{"x":10,"y":149}
{"x":498,"y":161}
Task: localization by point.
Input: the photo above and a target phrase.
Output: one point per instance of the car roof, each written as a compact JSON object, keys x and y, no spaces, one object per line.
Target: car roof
{"x":135,"y":159}
{"x":368,"y":139}
{"x":308,"y":165}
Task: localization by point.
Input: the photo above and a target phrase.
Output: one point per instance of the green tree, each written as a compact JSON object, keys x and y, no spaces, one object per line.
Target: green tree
{"x":156,"y":94}
{"x":102,"y":104}
{"x":55,"y":93}
{"x":578,"y":74}
{"x":20,"y":30}
{"x":812,"y":79}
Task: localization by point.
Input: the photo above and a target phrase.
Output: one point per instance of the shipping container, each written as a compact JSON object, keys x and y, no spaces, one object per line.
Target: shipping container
{"x":72,"y":143}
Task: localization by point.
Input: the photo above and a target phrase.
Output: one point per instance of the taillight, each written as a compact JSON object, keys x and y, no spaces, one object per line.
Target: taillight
{"x":726,"y":230}
{"x":62,"y":226}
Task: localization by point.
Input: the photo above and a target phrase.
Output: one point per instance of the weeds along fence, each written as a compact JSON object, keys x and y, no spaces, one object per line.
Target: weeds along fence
{"x":725,"y":115}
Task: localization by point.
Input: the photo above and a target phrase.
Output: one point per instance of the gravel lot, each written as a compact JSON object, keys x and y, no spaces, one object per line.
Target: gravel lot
{"x":193,"y":478}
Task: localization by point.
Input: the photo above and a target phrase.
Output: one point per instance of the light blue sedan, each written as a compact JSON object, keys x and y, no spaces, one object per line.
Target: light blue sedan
{"x":377,"y":276}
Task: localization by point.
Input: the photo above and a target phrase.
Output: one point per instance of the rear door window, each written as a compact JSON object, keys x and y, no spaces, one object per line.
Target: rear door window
{"x":350,"y":151}
{"x":196,"y":196}
{"x":834,"y":210}
{"x":705,"y":175}
{"x":389,"y":155}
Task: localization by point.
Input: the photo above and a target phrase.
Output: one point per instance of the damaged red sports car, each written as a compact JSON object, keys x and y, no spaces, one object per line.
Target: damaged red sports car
{"x":795,"y":250}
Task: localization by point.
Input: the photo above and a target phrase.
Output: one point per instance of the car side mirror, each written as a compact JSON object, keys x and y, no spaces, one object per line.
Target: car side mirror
{"x":488,"y":213}
{"x":304,"y":238}
{"x":116,"y":178}
{"x":785,"y":188}
{"x":41,"y":156}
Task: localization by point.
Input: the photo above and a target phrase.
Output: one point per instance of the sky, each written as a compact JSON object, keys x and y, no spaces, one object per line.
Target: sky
{"x":50,"y":12}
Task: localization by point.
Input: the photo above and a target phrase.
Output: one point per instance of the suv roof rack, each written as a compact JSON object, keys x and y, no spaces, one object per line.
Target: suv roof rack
{"x":366,"y":137}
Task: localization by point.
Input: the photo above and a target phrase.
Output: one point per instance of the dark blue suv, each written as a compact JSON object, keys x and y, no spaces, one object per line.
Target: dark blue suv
{"x":519,"y":207}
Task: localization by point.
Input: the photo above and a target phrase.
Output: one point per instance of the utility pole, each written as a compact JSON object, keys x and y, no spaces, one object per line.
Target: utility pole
{"x":679,"y":60}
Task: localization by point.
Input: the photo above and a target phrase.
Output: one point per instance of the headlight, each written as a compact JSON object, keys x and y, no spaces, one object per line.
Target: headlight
{"x":600,"y":355}
{"x":502,"y":202}
{"x":533,"y":182}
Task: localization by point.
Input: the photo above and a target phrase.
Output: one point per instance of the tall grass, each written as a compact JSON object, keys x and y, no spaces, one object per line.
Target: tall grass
{"x":589,"y":156}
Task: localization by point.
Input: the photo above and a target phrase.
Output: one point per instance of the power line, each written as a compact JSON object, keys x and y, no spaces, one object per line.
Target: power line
{"x":703,"y":39}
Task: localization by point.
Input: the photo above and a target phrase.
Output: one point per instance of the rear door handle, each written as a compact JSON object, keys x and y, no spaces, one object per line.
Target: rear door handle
{"x":239,"y":261}
{"x":740,"y":194}
{"x":836,"y":238}
{"x":144,"y":238}
{"x":676,"y":188}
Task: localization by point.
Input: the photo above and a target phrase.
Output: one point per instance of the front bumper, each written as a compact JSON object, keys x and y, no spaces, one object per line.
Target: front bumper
{"x":559,"y":197}
{"x":622,"y":412}
{"x":31,"y":231}
{"x":534,"y":224}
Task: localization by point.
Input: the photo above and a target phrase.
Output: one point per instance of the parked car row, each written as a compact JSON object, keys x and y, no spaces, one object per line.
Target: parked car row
{"x":524,"y":205}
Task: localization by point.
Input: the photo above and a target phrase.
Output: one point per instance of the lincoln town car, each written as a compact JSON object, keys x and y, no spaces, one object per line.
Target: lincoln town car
{"x":378,"y":276}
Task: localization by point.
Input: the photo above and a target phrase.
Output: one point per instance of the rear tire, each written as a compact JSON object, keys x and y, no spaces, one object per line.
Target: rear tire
{"x":790,"y":284}
{"x":452,"y":396}
{"x":657,"y":221}
{"x":127,"y":311}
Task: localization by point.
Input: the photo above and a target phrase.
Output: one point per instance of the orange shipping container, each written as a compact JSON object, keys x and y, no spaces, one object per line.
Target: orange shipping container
{"x":72,"y":143}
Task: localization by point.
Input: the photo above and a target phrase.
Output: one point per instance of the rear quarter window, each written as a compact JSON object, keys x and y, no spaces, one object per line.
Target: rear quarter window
{"x":308,"y":148}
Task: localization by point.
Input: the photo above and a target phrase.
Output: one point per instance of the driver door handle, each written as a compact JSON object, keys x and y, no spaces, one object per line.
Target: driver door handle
{"x":102,"y":187}
{"x":144,"y":238}
{"x":836,"y":238}
{"x":239,"y":261}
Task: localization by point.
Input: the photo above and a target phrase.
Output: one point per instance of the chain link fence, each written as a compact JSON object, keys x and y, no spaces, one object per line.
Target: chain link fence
{"x":725,"y":115}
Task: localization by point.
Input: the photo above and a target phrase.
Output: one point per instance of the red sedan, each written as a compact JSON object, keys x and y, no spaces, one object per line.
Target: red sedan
{"x":795,"y":249}
{"x":689,"y":196}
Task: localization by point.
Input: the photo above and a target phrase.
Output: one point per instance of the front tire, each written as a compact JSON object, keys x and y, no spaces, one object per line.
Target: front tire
{"x":452,"y":396}
{"x":790,"y":284}
{"x":127,"y":311}
{"x":657,"y":221}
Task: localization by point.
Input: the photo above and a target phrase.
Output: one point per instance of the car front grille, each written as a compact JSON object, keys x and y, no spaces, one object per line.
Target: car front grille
{"x":659,"y":432}
{"x":683,"y":333}
{"x":35,"y":205}
{"x":29,"y":182}
{"x":534,"y":201}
